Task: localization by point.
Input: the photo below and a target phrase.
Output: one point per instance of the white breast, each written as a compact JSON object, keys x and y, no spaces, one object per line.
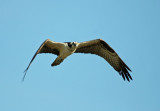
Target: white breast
{"x":66,"y":51}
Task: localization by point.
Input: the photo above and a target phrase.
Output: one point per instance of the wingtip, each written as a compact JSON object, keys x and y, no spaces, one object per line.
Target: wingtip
{"x":125,"y":76}
{"x":22,"y":80}
{"x":25,"y":72}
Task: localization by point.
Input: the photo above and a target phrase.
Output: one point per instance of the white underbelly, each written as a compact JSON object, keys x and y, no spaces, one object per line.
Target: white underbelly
{"x":65,"y":53}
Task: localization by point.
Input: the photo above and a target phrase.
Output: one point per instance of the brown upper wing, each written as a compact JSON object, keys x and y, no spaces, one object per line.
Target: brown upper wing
{"x":101,"y":48}
{"x":47,"y":46}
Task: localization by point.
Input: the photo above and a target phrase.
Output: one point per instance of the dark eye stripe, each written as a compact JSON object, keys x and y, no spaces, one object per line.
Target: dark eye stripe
{"x":69,"y":44}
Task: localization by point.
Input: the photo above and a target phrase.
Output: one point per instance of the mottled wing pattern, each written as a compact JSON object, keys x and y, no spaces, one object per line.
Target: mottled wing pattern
{"x":102,"y":49}
{"x":47,"y":46}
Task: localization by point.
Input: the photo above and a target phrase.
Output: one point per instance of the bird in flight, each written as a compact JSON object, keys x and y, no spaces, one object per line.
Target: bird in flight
{"x":98,"y":47}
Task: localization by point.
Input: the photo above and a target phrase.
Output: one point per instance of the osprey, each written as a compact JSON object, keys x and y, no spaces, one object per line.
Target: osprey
{"x":98,"y":47}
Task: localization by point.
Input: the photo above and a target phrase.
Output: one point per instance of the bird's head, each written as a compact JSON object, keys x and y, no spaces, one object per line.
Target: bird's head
{"x":72,"y":45}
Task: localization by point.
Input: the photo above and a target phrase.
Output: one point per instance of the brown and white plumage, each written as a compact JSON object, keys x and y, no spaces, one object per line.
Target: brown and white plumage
{"x":98,"y":47}
{"x":102,"y":49}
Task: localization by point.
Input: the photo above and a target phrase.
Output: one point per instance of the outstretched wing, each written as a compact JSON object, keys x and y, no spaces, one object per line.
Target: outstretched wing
{"x":47,"y":46}
{"x":101,"y":48}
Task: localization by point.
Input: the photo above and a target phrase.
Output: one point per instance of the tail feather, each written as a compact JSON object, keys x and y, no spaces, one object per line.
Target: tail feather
{"x":57,"y":61}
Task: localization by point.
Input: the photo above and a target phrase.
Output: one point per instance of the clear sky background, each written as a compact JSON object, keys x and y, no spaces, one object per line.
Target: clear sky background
{"x":81,"y":82}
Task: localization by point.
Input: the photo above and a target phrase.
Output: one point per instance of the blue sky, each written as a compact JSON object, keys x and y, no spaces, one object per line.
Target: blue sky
{"x":81,"y":82}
